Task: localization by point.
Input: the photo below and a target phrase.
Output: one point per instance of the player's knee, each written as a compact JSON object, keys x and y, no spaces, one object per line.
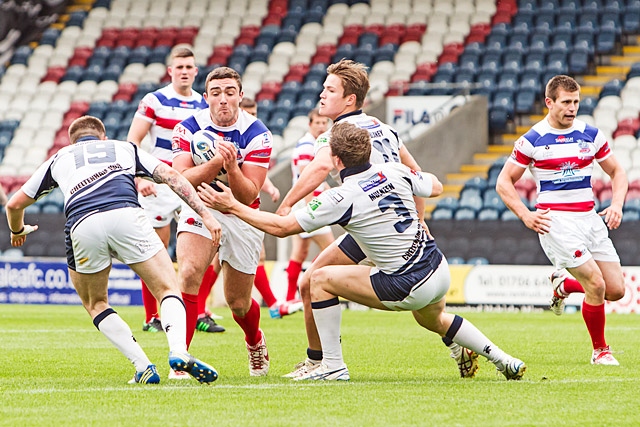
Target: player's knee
{"x":190,"y":277}
{"x":238,"y":307}
{"x":615,"y":291}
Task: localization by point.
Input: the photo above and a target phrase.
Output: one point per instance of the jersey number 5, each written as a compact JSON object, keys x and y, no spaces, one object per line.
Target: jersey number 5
{"x":393,"y":201}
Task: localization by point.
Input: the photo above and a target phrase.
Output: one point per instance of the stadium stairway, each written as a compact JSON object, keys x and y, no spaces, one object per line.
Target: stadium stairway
{"x":610,"y":67}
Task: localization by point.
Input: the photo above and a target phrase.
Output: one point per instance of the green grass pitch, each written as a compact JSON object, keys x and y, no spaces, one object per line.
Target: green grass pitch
{"x":57,"y":369}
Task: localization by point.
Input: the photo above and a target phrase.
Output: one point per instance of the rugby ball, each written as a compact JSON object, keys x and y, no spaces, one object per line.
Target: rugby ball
{"x":203,"y":146}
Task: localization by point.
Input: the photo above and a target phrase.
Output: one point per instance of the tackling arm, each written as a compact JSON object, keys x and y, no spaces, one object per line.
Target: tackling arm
{"x":182,"y":187}
{"x":311,"y":177}
{"x":279,"y":226}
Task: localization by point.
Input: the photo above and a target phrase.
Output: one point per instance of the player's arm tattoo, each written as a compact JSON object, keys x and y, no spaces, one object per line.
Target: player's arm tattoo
{"x":180,"y":185}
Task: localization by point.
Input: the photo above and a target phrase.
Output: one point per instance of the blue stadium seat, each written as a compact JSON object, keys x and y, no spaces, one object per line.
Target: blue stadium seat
{"x":634,"y":71}
{"x":487,"y":81}
{"x":465,"y":213}
{"x":495,"y":43}
{"x":631,"y":20}
{"x":346,"y":50}
{"x":476,"y":182}
{"x":455,"y":260}
{"x":278,"y":122}
{"x":73,"y":73}
{"x":612,"y":87}
{"x":478,"y":260}
{"x":578,"y":60}
{"x":448,"y":203}
{"x":491,"y":199}
{"x":606,"y":40}
{"x":587,"y":105}
{"x":488,"y":214}
{"x":442,"y":213}
{"x":525,"y":101}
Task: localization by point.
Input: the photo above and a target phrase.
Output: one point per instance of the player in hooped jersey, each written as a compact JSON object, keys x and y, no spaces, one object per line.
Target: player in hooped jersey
{"x":243,"y":151}
{"x":341,"y":100}
{"x":301,"y":156}
{"x":104,"y":219}
{"x":560,"y":152}
{"x":375,"y":204}
{"x":157,"y":115}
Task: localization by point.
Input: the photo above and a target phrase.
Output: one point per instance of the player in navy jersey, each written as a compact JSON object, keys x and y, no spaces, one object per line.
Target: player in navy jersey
{"x":375,"y":204}
{"x":243,"y":150}
{"x":560,"y":151}
{"x":104,"y":219}
{"x":341,"y":100}
{"x":157,"y":115}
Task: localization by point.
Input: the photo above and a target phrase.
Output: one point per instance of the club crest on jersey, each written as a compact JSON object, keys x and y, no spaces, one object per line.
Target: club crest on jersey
{"x":585,"y":149}
{"x":372,"y":181}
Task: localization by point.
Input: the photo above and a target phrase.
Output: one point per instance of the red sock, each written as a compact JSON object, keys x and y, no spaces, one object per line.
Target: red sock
{"x":293,"y":272}
{"x":571,"y":285}
{"x":149,"y":302}
{"x":191,"y":306}
{"x":262,"y":285}
{"x":250,"y":323}
{"x":210,"y":277}
{"x":594,"y":318}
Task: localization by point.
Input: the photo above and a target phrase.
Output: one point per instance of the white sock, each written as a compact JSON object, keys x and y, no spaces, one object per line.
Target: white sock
{"x":328,"y":315}
{"x":174,"y":322}
{"x":467,"y":335}
{"x":119,"y":333}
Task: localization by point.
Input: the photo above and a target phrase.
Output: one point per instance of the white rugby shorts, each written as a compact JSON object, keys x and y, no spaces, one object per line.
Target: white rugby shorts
{"x":161,"y":208}
{"x":123,"y":233}
{"x":240,"y":244}
{"x":576,"y":237}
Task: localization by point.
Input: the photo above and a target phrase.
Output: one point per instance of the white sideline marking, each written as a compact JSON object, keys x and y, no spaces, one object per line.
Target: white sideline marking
{"x":297,"y":384}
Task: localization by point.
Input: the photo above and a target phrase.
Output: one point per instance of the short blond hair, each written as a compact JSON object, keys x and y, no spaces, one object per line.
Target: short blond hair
{"x":354,"y":78}
{"x":86,"y":126}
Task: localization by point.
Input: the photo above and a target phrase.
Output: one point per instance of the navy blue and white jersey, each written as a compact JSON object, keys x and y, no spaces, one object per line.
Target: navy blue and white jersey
{"x":94,"y":175}
{"x":375,"y":205}
{"x":385,"y":141}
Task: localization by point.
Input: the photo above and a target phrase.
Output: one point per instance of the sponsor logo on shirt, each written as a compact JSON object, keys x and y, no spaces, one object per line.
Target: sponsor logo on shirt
{"x":564,"y":139}
{"x":373,"y":181}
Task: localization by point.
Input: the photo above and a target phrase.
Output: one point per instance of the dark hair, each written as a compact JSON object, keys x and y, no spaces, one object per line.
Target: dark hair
{"x":351,"y":144}
{"x":223,"y":73}
{"x":247,"y":103}
{"x":558,"y":82}
{"x":354,"y":77}
{"x":86,"y":126}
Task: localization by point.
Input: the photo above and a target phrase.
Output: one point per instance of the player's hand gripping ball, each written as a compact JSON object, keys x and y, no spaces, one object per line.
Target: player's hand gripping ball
{"x":203,"y":146}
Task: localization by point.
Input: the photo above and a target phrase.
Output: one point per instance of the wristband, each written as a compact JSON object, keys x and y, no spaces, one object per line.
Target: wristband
{"x":17,"y":232}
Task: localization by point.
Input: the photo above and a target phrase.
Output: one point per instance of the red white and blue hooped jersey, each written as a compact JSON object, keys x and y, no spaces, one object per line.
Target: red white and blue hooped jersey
{"x":375,"y":205}
{"x":94,"y":175}
{"x":250,"y":136}
{"x":561,"y":162}
{"x":165,"y":108}
{"x":385,"y":140}
{"x":301,"y":156}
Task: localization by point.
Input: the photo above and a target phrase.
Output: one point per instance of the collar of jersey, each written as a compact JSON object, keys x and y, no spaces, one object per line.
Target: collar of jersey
{"x":354,"y":170}
{"x":353,"y":113}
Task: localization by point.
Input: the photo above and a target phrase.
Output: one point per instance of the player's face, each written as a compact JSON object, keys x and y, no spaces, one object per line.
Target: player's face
{"x":333,"y":103}
{"x":223,"y":97}
{"x":183,"y":72}
{"x":564,"y":109}
{"x":318,"y":125}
